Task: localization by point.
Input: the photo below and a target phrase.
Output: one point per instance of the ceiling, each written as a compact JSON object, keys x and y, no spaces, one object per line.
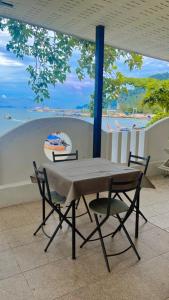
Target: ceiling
{"x":138,"y":25}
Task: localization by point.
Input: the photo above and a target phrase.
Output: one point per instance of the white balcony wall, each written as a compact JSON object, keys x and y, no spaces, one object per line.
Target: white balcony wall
{"x":125,"y":141}
{"x":150,"y":141}
{"x":24,"y":144}
{"x":155,"y":141}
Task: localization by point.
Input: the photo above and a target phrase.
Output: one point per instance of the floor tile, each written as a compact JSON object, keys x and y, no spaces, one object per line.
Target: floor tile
{"x":118,"y":286}
{"x":58,"y":278}
{"x":4,"y":245}
{"x":30,"y":256}
{"x":26,"y":272}
{"x":22,"y":235}
{"x":154,"y":274}
{"x":161,"y":220}
{"x":157,"y":239}
{"x":15,"y":288}
{"x":35,"y":209}
{"x":15,"y":216}
{"x":8,"y":264}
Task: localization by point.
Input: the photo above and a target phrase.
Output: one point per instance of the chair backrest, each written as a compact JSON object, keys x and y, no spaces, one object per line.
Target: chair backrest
{"x":65,"y":156}
{"x":42,"y":181}
{"x":124,"y":184}
{"x":139,"y":160}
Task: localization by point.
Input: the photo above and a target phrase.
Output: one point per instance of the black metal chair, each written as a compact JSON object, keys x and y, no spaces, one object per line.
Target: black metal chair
{"x":143,"y":163}
{"x":55,"y":201}
{"x":54,"y":196}
{"x":114,"y":207}
{"x":140,"y":161}
{"x":70,"y":157}
{"x":65,"y":157}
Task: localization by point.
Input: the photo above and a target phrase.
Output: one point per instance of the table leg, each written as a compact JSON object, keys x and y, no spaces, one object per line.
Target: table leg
{"x":137,"y":216}
{"x":73,"y":230}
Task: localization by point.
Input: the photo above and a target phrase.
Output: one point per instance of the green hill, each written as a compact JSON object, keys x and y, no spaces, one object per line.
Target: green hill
{"x":134,"y":96}
{"x":161,"y":76}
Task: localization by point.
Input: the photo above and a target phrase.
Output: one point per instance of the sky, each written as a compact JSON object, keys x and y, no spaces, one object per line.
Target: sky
{"x":15,"y":92}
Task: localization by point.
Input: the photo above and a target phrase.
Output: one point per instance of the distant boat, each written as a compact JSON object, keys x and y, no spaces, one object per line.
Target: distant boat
{"x":7,"y":117}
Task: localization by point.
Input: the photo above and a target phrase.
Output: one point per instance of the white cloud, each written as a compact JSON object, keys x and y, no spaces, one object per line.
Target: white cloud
{"x":75,"y":83}
{"x":5,"y":61}
{"x":150,"y":67}
{"x":156,"y":63}
{"x":3,"y":96}
{"x":148,"y":61}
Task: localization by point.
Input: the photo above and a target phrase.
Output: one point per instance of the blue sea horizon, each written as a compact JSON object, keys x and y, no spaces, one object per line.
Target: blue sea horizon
{"x":22,"y":115}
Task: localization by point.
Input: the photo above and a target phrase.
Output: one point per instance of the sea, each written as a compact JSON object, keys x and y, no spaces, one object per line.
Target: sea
{"x":21,"y":115}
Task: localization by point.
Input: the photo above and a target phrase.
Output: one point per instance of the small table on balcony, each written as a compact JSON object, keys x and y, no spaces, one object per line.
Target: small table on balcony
{"x":84,"y":177}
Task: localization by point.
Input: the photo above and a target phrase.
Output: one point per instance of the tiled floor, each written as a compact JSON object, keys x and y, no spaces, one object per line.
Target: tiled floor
{"x":26,"y":272}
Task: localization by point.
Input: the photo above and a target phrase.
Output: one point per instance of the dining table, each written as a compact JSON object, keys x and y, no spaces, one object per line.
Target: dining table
{"x":72,"y":179}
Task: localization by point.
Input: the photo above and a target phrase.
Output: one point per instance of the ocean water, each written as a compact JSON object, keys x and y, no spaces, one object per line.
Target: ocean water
{"x":20,"y":116}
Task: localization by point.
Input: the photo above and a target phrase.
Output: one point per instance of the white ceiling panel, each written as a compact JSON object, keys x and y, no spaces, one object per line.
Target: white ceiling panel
{"x":138,"y":25}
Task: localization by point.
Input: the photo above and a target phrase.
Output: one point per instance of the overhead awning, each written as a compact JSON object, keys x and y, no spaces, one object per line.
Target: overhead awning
{"x":134,"y":25}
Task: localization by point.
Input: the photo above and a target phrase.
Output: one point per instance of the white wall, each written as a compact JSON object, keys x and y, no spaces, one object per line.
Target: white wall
{"x":22,"y":145}
{"x":156,"y":139}
{"x":150,"y":141}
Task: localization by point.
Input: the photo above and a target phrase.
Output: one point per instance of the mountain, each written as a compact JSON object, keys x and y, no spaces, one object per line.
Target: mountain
{"x":161,"y":76}
{"x":135,"y":94}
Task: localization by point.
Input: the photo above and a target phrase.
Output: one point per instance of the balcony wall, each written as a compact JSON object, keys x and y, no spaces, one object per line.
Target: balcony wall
{"x":125,"y":141}
{"x":156,"y":140}
{"x":150,"y":141}
{"x":24,"y":144}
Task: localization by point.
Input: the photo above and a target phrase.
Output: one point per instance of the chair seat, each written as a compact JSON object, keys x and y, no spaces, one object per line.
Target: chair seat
{"x":99,"y":206}
{"x":56,"y":198}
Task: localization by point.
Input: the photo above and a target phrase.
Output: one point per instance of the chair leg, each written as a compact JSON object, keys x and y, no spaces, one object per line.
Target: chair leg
{"x":129,"y":238}
{"x":44,"y":221}
{"x":93,"y":232}
{"x":120,"y":198}
{"x":137,"y":217}
{"x":52,"y":237}
{"x":140,"y":213}
{"x":73,"y":230}
{"x":60,"y":218}
{"x":87,"y":208}
{"x":77,"y":204}
{"x":117,"y":229}
{"x":56,"y":230}
{"x":43,"y":210}
{"x":102,"y":243}
{"x":66,"y":219}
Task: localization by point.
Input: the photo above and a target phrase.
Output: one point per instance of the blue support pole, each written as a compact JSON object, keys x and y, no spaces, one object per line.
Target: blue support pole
{"x":99,"y":61}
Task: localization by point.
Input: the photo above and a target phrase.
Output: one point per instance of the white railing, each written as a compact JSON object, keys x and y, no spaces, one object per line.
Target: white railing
{"x":125,"y":141}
